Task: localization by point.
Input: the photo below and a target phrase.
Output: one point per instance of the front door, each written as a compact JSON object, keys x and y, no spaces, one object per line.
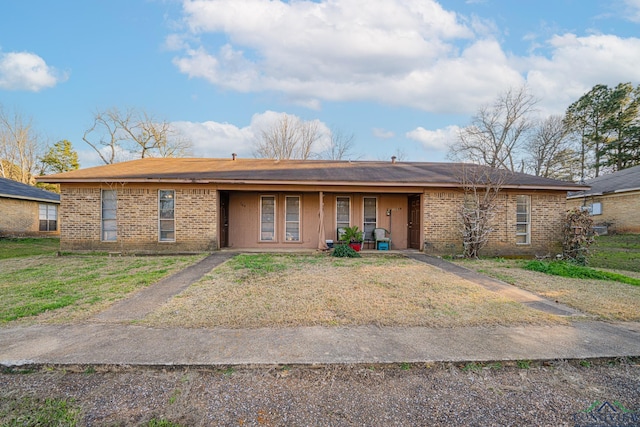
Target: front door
{"x":224,"y":219}
{"x":414,"y":222}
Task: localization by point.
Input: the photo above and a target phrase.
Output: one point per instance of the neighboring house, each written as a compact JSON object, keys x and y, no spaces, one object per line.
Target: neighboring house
{"x":162,"y":205}
{"x":613,"y":200}
{"x":27,"y":210}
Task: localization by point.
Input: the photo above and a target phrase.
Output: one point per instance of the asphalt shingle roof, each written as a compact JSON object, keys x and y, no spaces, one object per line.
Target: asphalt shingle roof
{"x":16,"y":190}
{"x":315,"y":172}
{"x":624,"y":180}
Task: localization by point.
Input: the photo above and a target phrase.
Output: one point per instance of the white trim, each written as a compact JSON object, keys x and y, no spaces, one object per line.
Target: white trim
{"x":363,"y":213}
{"x":173,"y":219}
{"x":102,"y":239}
{"x":275,"y":219}
{"x":528,"y":223}
{"x":350,"y":213}
{"x":299,"y":222}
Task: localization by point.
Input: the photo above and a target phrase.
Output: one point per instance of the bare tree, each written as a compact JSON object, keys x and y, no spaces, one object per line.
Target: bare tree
{"x":117,"y":135}
{"x":288,"y":138}
{"x":341,"y":146}
{"x":549,"y":150}
{"x":495,"y":135}
{"x":481,"y":186}
{"x":20,"y":147}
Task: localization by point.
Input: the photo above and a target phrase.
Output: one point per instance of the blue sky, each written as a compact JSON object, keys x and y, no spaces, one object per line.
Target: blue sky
{"x":401,"y":75}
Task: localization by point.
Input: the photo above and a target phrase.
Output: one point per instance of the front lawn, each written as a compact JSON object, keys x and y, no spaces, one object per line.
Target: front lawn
{"x":606,"y":299}
{"x":616,"y":252}
{"x":19,"y":247}
{"x":68,"y":288}
{"x":269,"y":290}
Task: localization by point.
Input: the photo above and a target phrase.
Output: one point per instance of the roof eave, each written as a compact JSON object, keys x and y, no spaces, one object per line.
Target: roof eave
{"x":32,"y":199}
{"x":312,"y":183}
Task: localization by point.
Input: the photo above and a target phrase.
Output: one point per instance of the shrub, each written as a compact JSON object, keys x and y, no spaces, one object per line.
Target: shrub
{"x":344,"y":251}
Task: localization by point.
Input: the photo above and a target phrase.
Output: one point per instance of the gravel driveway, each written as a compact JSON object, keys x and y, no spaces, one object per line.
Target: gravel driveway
{"x":551,"y":394}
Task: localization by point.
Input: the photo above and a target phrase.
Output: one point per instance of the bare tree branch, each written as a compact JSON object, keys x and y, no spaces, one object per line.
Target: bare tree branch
{"x":116,"y":135}
{"x":495,"y":135}
{"x":288,"y":138}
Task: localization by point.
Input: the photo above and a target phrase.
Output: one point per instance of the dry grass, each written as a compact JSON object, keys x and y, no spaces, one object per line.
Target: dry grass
{"x":608,"y":300}
{"x":281,"y":291}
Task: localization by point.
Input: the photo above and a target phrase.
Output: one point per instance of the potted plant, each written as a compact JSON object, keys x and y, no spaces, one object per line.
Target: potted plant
{"x":353,"y":237}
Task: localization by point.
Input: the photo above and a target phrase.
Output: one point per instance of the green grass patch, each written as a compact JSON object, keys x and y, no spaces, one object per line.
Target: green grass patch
{"x":78,"y":284}
{"x":15,"y":248}
{"x":257,"y":264}
{"x":33,"y":411}
{"x":616,"y":252}
{"x":567,"y":269}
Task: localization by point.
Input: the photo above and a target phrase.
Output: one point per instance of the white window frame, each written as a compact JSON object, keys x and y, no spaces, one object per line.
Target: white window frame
{"x":102,"y":219}
{"x":338,"y":223}
{"x":526,"y":234}
{"x":275,"y":217}
{"x":287,"y":222}
{"x":364,"y":219}
{"x":166,"y":220}
{"x":48,"y":212}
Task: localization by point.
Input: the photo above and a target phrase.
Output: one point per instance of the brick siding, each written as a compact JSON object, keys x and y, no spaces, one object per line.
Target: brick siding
{"x":442,"y":229}
{"x":621,"y":211}
{"x":21,"y":218}
{"x":196,"y":219}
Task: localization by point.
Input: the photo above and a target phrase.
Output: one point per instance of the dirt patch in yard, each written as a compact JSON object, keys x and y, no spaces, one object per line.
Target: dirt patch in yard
{"x":254,"y":291}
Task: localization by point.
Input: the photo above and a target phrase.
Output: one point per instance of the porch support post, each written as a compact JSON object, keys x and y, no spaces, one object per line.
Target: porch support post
{"x":322,"y":243}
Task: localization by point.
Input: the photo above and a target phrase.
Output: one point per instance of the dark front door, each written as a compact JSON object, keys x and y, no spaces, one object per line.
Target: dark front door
{"x":414,"y":222}
{"x":224,"y":219}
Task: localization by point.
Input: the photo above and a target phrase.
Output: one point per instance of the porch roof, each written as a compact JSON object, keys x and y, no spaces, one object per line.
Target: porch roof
{"x":298,"y":172}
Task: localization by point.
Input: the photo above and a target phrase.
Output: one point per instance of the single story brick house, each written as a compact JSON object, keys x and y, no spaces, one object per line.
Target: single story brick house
{"x":613,"y":200}
{"x":176,"y":205}
{"x":27,"y":211}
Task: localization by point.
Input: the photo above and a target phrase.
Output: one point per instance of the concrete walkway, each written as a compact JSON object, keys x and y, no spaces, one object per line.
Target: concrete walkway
{"x":108,"y":340}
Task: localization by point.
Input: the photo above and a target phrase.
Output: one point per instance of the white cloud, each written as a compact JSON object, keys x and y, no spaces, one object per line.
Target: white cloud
{"x":400,"y":52}
{"x":27,"y":71}
{"x":439,"y":139}
{"x":579,"y":63}
{"x":213,"y":139}
{"x":633,"y":10}
{"x":383,"y":133}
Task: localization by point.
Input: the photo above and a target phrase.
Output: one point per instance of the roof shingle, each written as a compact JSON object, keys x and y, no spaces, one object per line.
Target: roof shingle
{"x":314,"y":172}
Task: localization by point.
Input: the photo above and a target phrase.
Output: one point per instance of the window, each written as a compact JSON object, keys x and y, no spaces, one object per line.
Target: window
{"x":267,"y":218}
{"x":48,"y":217}
{"x":343,"y":212}
{"x":292,"y":221}
{"x":109,"y":223}
{"x":523,"y":220}
{"x":370,"y":220}
{"x":593,"y":209}
{"x":166,"y":214}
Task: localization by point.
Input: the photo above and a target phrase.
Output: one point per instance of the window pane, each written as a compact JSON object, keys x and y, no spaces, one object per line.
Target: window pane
{"x":293,"y":209}
{"x":292,"y":226}
{"x":523,"y":219}
{"x":52,"y":224}
{"x":342,"y":210}
{"x":267,"y":218}
{"x":43,"y":211}
{"x":370,"y":217}
{"x":43,"y":225}
{"x":166,"y":215}
{"x":109,"y":211}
